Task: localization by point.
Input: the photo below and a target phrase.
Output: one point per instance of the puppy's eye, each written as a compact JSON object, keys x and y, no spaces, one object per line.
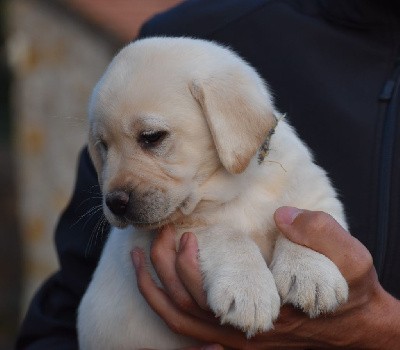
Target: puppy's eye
{"x":102,"y":145}
{"x":152,"y":138}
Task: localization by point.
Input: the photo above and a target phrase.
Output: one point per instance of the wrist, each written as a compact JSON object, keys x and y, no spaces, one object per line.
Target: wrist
{"x":382,"y":320}
{"x":389,"y":323}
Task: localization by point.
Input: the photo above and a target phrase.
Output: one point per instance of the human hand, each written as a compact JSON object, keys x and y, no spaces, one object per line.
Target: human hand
{"x":370,"y":318}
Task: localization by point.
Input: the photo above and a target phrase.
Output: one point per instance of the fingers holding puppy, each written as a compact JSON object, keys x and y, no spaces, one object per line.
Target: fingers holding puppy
{"x":321,"y":232}
{"x":179,"y":271}
{"x":163,"y":258}
{"x":179,"y":321}
{"x":368,"y":304}
{"x":187,"y":266}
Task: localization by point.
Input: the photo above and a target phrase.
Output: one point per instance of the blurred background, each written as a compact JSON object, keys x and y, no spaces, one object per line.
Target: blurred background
{"x":52,"y":52}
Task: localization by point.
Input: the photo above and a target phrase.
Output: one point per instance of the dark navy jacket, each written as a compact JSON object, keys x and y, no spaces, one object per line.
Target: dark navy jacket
{"x":334,"y":68}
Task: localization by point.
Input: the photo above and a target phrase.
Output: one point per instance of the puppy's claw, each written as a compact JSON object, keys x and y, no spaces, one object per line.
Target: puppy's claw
{"x":312,"y":283}
{"x":251,"y":307}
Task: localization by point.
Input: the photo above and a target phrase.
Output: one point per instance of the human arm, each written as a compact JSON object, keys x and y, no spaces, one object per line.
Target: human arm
{"x":369,"y":320}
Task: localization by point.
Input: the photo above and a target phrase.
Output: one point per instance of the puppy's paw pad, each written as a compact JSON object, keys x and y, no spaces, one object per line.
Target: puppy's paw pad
{"x":314,"y":285}
{"x":250,"y":304}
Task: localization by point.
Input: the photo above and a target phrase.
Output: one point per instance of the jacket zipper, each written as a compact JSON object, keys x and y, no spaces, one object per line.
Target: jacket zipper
{"x":390,"y":95}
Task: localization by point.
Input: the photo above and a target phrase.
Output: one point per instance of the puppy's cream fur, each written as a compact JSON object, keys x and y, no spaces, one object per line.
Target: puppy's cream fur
{"x":203,"y":176}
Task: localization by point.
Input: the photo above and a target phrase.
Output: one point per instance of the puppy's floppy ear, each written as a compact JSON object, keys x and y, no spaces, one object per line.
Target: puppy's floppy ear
{"x":239,"y":113}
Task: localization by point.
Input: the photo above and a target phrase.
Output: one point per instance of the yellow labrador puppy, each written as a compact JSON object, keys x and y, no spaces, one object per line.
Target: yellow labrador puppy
{"x":184,"y":131}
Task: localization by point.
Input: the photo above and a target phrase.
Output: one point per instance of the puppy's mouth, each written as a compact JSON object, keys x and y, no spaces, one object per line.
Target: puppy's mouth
{"x":152,"y":225}
{"x":157,"y":224}
{"x":124,"y":221}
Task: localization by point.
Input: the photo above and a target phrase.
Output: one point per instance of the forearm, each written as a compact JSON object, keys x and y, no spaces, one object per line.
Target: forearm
{"x":385,"y":330}
{"x":375,"y":324}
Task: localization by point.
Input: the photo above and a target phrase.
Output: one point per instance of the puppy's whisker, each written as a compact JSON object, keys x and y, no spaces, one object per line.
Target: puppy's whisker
{"x":89,"y":214}
{"x":276,"y":162}
{"x":92,"y":214}
{"x":98,"y":231}
{"x":88,"y":199}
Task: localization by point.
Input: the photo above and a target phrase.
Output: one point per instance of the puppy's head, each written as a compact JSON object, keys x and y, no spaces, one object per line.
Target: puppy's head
{"x":167,"y":115}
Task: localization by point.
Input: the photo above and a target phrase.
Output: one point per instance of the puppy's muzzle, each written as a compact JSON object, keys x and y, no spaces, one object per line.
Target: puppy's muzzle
{"x":148,"y":208}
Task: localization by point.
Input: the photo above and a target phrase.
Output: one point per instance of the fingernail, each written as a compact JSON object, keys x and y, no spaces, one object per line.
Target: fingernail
{"x":135,"y":254}
{"x":286,"y":215}
{"x":183,"y":240}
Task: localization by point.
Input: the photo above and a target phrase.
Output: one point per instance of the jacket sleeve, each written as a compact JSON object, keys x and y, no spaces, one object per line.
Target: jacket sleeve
{"x":50,"y":322}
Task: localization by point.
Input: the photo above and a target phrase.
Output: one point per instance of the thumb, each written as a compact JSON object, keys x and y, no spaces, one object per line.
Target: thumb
{"x":319,"y":231}
{"x":307,"y":227}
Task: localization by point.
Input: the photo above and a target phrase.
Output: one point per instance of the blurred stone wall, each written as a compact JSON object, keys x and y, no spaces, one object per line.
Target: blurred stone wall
{"x":55,"y":61}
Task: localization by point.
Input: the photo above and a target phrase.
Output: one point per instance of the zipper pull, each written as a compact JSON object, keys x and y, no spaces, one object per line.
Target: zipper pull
{"x":387,"y":91}
{"x":389,"y":86}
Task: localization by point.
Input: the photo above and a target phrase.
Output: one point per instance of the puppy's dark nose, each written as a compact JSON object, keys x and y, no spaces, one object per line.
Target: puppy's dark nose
{"x":117,"y":202}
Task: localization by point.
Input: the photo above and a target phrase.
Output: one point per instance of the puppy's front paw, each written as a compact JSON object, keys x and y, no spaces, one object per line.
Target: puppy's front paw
{"x":247,"y":300}
{"x":309,"y":280}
